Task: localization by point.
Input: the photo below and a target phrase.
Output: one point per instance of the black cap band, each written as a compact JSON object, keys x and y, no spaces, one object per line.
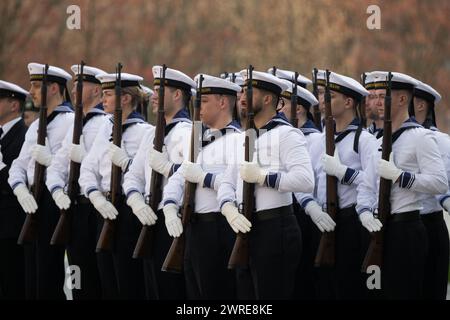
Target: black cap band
{"x":217,"y":90}
{"x":50,"y":78}
{"x":89,"y":78}
{"x":260,"y":84}
{"x":123,"y":84}
{"x":424,"y":95}
{"x":4,"y":93}
{"x":173,"y":83}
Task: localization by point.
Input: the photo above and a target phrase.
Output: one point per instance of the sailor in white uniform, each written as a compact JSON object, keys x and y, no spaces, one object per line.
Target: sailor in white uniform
{"x":95,"y":183}
{"x":137,"y":181}
{"x":281,"y":165}
{"x":44,"y":263}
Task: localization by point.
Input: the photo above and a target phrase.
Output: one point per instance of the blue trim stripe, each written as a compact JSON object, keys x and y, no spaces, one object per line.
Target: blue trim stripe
{"x":407,"y":180}
{"x":225,"y":201}
{"x":131,"y":191}
{"x":305,"y":202}
{"x":174,"y":169}
{"x":350,"y":176}
{"x":443,"y":199}
{"x":54,"y":188}
{"x":273,"y":180}
{"x":90,"y":190}
{"x":363,"y":209}
{"x":170,"y":201}
{"x":15,"y":185}
{"x":209,"y":181}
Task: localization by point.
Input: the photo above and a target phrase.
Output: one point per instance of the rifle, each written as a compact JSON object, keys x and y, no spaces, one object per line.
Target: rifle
{"x":29,"y":229}
{"x":175,"y":257}
{"x":374,"y":255}
{"x":144,"y":245}
{"x":294,"y":120}
{"x":240,"y":255}
{"x":362,"y":106}
{"x":61,"y":234}
{"x":326,"y":252}
{"x":105,"y":241}
{"x":316,"y":115}
{"x":274,"y":71}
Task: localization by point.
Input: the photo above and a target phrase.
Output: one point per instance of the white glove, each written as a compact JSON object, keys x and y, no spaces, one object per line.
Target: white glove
{"x":118,"y":156}
{"x":42,"y":154}
{"x":25,"y":198}
{"x":321,"y":219}
{"x":2,"y":165}
{"x":237,"y":221}
{"x":144,"y":213}
{"x":103,"y":206}
{"x":159,"y":161}
{"x":61,"y":199}
{"x":192,"y":172}
{"x":332,"y":165}
{"x":77,"y":151}
{"x":173,"y":222}
{"x":251,"y":172}
{"x":370,"y":222}
{"x":446,"y":205}
{"x":388,"y":170}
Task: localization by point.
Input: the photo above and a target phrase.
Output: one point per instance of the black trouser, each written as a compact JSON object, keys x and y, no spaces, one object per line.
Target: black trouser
{"x":436,"y":267}
{"x":209,"y":241}
{"x":159,"y":284}
{"x":44,"y":262}
{"x":81,"y":249}
{"x":274,"y":247}
{"x":105,"y":265}
{"x":129,"y":271}
{"x":12,"y":271}
{"x":351,"y":246}
{"x":306,"y":273}
{"x":405,"y":251}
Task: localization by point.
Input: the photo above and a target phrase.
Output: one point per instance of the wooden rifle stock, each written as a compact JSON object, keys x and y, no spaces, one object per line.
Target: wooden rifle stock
{"x":28,"y":233}
{"x":240,"y":254}
{"x":175,"y":257}
{"x":316,"y":114}
{"x":144,"y":245}
{"x":374,"y":255}
{"x":326,"y":251}
{"x":61,"y":235}
{"x":106,"y":239}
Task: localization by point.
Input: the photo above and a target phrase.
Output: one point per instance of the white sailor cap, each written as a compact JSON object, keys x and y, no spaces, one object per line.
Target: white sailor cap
{"x":426,"y":92}
{"x":147,"y":90}
{"x":399,"y":81}
{"x":89,"y":73}
{"x":265,"y":81}
{"x":290,"y":75}
{"x":174,"y":78}
{"x":108,"y":80}
{"x":54,"y":74}
{"x":11,"y":90}
{"x":348,"y":86}
{"x":214,"y":85}
{"x":304,"y":96}
{"x":234,"y":77}
{"x":321,"y":77}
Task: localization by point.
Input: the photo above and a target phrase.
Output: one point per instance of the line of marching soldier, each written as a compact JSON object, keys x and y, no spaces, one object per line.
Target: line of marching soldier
{"x":252,"y":167}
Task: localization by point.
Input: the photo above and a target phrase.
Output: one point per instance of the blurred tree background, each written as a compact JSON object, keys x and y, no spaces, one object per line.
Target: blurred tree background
{"x":215,"y":36}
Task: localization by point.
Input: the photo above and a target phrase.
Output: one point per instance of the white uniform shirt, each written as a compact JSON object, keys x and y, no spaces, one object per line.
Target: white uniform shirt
{"x":357,"y":163}
{"x":214,"y":159}
{"x":22,"y":169}
{"x":58,"y":171}
{"x":176,"y":143}
{"x":415,"y":152}
{"x":282,"y":151}
{"x":95,"y":171}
